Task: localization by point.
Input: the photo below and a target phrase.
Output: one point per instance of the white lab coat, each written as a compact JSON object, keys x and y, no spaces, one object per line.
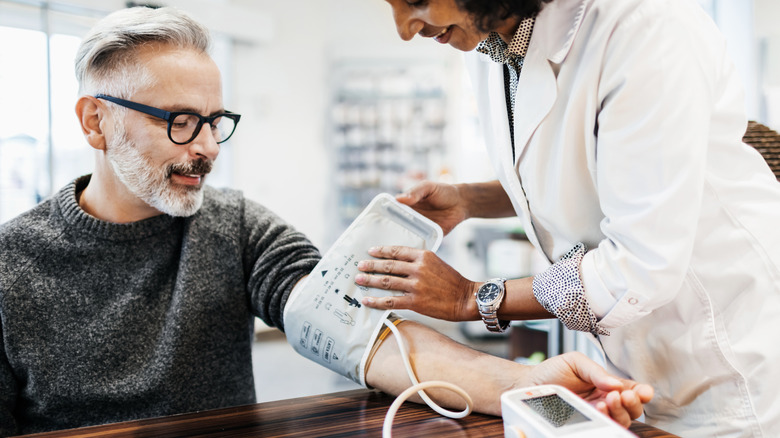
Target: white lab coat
{"x":628,"y":125}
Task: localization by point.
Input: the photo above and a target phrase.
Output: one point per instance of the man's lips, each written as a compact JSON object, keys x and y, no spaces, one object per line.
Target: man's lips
{"x":187,"y":179}
{"x":190,"y":174}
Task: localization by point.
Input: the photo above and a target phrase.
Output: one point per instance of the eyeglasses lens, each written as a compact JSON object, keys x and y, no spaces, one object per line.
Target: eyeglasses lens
{"x":183,"y":128}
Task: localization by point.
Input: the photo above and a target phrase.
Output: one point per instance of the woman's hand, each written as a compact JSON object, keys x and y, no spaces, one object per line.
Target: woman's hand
{"x":620,"y":399}
{"x":441,"y":203}
{"x":429,"y":285}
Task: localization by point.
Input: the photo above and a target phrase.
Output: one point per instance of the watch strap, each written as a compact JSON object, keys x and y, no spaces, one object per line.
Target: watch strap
{"x":494,"y":324}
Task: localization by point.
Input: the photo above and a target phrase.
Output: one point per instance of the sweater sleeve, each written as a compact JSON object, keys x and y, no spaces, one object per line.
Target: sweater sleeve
{"x":276,"y":256}
{"x":8,"y":393}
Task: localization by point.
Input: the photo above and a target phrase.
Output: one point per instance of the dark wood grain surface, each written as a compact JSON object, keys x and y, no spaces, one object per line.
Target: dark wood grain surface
{"x":356,"y":413}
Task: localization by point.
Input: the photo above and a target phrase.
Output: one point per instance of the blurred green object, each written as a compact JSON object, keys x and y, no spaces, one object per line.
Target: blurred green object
{"x":536,"y":358}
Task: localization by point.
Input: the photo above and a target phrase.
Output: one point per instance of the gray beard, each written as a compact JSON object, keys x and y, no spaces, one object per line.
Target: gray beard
{"x":148,"y":182}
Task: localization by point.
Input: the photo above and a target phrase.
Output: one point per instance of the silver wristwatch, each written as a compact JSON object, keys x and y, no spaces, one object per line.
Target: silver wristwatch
{"x":489,"y":297}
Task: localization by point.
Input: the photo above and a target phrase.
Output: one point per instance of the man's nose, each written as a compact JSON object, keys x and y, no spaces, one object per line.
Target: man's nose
{"x":204,"y":144}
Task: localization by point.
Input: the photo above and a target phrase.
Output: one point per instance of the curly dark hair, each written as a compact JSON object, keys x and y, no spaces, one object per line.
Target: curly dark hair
{"x":488,"y":13}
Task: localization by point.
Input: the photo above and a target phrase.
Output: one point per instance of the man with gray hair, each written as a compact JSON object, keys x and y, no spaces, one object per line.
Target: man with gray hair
{"x":132,"y":291}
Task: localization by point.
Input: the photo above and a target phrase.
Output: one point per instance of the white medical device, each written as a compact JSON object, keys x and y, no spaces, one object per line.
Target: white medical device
{"x":554,"y":411}
{"x":324,"y":319}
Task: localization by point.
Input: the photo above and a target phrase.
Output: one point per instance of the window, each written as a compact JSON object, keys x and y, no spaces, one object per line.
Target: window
{"x":31,"y":111}
{"x":41,"y":146}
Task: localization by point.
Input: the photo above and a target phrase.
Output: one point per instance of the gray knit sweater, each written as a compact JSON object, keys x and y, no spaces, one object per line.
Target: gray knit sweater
{"x":103,"y":322}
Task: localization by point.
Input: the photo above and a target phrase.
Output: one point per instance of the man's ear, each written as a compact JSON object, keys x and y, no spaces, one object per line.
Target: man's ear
{"x":91,"y":114}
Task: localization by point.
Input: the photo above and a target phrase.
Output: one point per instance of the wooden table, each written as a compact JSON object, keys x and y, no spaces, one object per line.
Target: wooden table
{"x":356,"y":413}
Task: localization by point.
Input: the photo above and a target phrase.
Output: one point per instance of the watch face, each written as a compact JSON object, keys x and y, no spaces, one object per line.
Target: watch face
{"x":488,"y":292}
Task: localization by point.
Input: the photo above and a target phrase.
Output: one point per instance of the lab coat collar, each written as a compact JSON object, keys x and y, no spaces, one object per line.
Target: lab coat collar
{"x":557,"y":26}
{"x":553,"y":37}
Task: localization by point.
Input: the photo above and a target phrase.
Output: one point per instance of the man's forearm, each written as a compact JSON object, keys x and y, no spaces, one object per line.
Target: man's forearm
{"x":437,"y":357}
{"x":486,"y":199}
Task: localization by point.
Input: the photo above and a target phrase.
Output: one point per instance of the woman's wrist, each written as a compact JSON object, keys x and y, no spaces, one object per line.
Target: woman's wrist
{"x":469,"y":311}
{"x":463,"y":193}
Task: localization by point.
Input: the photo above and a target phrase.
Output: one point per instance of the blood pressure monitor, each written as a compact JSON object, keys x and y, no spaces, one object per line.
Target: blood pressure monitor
{"x":554,"y":411}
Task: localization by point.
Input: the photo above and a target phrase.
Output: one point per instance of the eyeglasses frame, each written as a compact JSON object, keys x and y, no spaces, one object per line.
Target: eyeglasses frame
{"x":169,"y":116}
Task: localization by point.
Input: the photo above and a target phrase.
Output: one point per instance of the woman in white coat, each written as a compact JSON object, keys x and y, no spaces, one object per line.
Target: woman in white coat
{"x":614,"y":127}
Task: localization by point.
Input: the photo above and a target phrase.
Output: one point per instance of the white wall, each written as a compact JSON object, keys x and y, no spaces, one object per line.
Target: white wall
{"x":736,"y":21}
{"x":768,"y":35}
{"x":767,"y":16}
{"x":281,"y":89}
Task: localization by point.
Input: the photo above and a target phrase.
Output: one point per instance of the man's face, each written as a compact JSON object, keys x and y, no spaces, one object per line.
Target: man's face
{"x":151,"y":182}
{"x":441,"y":20}
{"x":166,"y":176}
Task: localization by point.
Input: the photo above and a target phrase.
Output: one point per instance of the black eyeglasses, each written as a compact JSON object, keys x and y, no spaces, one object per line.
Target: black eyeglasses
{"x":184,"y":126}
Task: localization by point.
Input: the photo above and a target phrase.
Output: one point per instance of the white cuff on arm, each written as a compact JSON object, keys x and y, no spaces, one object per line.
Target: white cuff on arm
{"x":560,"y":291}
{"x":600,"y":298}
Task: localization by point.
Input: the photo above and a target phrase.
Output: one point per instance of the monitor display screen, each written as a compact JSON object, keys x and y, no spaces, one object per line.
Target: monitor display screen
{"x":557,"y":411}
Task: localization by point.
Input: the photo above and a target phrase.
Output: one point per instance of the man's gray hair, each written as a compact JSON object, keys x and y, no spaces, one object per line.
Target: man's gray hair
{"x":106,"y":59}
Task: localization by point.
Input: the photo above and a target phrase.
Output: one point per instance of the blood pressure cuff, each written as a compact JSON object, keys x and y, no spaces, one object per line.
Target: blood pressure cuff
{"x":324,"y":319}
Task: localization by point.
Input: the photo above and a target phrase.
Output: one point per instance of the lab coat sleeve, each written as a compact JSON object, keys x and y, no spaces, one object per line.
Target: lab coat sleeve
{"x":8,"y":393}
{"x":277,"y":256}
{"x":657,"y":90}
